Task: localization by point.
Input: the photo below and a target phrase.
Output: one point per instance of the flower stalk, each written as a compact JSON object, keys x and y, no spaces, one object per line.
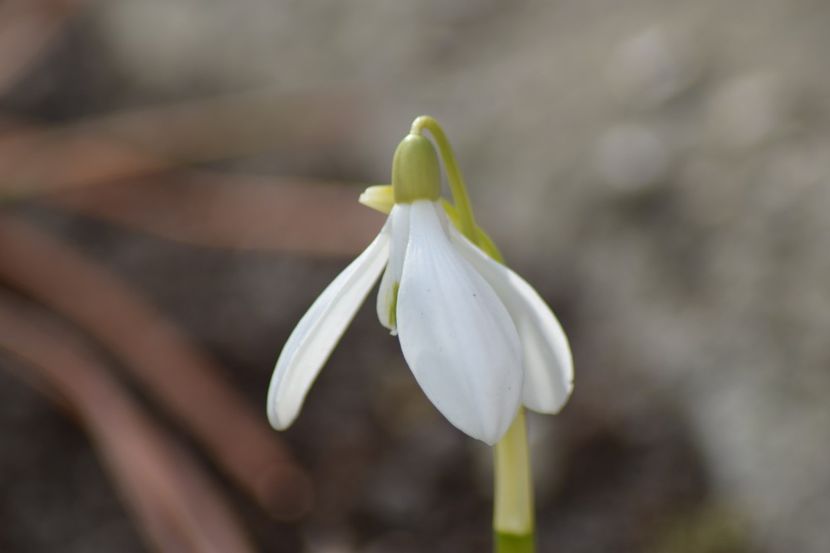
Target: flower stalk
{"x":467,"y":222}
{"x":480,"y":341}
{"x":513,"y":524}
{"x":513,"y":491}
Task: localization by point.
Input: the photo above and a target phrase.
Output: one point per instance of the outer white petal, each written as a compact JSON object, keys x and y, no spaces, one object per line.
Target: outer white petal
{"x":398,"y":226}
{"x":455,"y":334}
{"x":315,"y":336}
{"x":547,"y":356}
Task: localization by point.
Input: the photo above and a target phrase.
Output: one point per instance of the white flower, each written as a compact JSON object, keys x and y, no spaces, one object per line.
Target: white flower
{"x":478,"y":338}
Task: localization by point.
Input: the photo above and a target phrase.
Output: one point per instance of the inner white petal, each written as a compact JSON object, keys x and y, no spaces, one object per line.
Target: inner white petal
{"x":398,"y":226}
{"x":319,"y":330}
{"x":456,"y":336}
{"x":547,"y":355}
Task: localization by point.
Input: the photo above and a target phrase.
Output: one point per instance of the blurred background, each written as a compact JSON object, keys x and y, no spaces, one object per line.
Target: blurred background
{"x":178,"y":182}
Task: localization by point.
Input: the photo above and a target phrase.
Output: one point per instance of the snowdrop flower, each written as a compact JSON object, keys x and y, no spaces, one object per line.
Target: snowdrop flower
{"x":478,"y":338}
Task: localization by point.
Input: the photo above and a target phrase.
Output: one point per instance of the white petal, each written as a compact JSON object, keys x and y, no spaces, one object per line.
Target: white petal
{"x":315,"y":336}
{"x":398,"y":226}
{"x":455,"y":334}
{"x":547,"y":357}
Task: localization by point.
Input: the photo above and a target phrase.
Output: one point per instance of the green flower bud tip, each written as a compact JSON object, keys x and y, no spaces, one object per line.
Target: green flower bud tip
{"x":416,"y":174}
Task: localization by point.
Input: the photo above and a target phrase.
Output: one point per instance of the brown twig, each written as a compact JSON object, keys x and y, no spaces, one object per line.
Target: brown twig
{"x":175,"y":505}
{"x":185,"y":381}
{"x":238,"y":212}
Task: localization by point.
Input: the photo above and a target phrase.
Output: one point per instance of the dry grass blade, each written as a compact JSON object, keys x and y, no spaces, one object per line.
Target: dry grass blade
{"x":185,"y":381}
{"x":175,"y":506}
{"x":34,"y":161}
{"x":235,"y":212}
{"x":101,"y":150}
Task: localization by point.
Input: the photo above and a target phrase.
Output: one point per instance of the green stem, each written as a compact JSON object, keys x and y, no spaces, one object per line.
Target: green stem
{"x":454,"y":178}
{"x":513,"y":487}
{"x":513,"y":496}
{"x":507,"y":543}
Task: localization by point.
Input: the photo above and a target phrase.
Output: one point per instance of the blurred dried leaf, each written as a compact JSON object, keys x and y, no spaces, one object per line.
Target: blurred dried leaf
{"x":186,"y":382}
{"x":175,"y":505}
{"x":36,"y":159}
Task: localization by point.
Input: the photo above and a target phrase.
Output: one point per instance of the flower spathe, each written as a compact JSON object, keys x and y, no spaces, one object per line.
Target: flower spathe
{"x":479,"y":340}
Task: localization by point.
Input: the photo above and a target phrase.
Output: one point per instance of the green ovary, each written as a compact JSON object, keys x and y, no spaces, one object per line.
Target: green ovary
{"x":416,"y":174}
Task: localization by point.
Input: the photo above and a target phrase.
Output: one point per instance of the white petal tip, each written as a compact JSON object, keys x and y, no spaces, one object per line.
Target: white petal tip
{"x":547,"y":358}
{"x":553,"y":408}
{"x":313,"y":339}
{"x":494,"y":433}
{"x":277,"y":422}
{"x":490,"y":440}
{"x":279,"y":416}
